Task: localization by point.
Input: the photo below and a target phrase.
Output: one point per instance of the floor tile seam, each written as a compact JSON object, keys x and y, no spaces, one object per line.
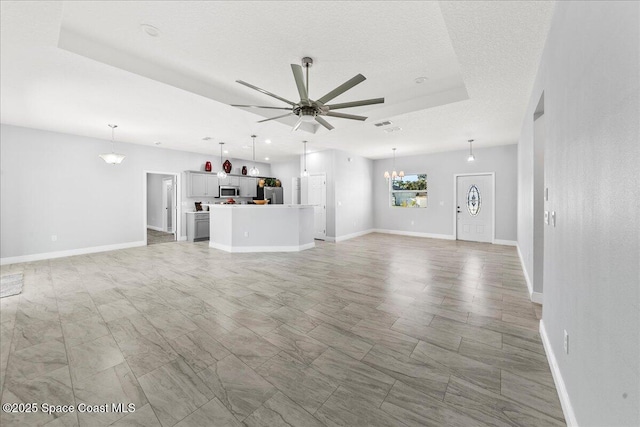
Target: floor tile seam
{"x":535,"y":409}
{"x":11,"y":353}
{"x":387,"y":395}
{"x":66,"y":353}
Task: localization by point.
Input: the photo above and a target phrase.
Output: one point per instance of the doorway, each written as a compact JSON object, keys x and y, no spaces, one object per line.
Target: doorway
{"x":317,"y":196}
{"x":161,"y":221}
{"x":475,"y":207}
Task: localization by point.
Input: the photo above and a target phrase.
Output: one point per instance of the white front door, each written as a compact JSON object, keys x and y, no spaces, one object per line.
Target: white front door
{"x":317,"y":196}
{"x":474,"y":208}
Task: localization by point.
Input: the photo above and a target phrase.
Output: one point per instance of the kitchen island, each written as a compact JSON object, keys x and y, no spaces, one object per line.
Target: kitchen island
{"x":261,"y":228}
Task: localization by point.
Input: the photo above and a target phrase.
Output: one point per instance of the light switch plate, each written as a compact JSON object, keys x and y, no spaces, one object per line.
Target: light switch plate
{"x":546,"y":217}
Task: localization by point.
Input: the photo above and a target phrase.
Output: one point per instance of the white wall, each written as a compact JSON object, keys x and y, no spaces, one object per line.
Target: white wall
{"x":590,"y":76}
{"x":55,"y":184}
{"x":437,"y":218}
{"x":155,"y":209}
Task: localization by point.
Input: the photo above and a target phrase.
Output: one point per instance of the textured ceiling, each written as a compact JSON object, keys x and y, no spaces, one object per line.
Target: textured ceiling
{"x":76,"y":66}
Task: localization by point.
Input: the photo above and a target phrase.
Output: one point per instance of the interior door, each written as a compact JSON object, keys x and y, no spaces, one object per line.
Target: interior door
{"x":474,"y":208}
{"x":317,"y":196}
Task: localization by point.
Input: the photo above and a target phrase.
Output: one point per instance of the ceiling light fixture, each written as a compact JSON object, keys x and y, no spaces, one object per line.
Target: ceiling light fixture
{"x":393,"y":174}
{"x":112,"y":158}
{"x":266,"y":158}
{"x":471,"y":157}
{"x":421,"y":80}
{"x":157,"y":142}
{"x":221,"y":173}
{"x":267,"y":141}
{"x":206,"y":138}
{"x":254,"y":170}
{"x":305,"y":173}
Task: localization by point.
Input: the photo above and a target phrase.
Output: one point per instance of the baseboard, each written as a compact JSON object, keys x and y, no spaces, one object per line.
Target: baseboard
{"x":182,"y":239}
{"x":153,"y":227}
{"x":70,"y":252}
{"x":533,"y":296}
{"x":249,"y":249}
{"x":505,"y":242}
{"x":563,"y":395}
{"x":414,"y":234}
{"x":353,"y":235}
{"x":329,"y":239}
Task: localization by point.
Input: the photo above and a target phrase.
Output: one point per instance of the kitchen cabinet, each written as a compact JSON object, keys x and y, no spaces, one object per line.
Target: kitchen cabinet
{"x":232,"y":181}
{"x":248,"y":187}
{"x":202,"y":184}
{"x":197,"y":226}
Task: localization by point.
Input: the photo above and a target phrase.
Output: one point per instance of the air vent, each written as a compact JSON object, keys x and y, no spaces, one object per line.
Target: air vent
{"x":393,"y":129}
{"x":385,"y":123}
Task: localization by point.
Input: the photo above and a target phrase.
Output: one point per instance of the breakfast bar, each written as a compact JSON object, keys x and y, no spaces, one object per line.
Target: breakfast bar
{"x":261,"y":228}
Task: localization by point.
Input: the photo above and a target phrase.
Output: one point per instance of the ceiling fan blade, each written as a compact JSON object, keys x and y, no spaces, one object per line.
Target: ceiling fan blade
{"x":323,"y":122}
{"x":346,"y":116}
{"x":274,"y":118}
{"x":342,"y":88}
{"x":265,"y":92}
{"x":261,"y":106}
{"x":356,"y":103}
{"x":297,"y":125}
{"x":297,"y":74}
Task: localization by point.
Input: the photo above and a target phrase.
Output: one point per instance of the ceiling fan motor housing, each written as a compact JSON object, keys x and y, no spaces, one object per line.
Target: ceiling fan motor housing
{"x":307,"y":113}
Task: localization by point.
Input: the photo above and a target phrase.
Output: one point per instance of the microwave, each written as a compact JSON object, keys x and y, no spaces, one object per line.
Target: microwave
{"x":228,"y":191}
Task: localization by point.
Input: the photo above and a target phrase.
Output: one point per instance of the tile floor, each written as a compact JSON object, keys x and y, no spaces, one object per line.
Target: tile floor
{"x":154,"y":237}
{"x":376,"y":331}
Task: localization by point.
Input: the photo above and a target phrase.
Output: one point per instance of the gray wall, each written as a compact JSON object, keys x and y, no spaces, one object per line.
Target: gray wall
{"x":353,"y":193}
{"x":590,"y":76}
{"x":55,"y":184}
{"x":284,"y":171}
{"x":155,"y":210}
{"x":440,"y":168}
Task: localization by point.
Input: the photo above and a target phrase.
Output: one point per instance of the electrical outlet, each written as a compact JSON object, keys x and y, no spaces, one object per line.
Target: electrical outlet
{"x":412,"y":222}
{"x":54,"y":238}
{"x":566,"y":342}
{"x":246,"y":234}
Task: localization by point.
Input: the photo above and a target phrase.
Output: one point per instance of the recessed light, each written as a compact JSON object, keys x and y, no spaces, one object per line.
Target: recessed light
{"x":206,"y":138}
{"x":266,"y":158}
{"x":267,"y":141}
{"x":393,"y":129}
{"x":157,"y":142}
{"x":150,"y":30}
{"x":246,"y":147}
{"x":226,"y":151}
{"x":421,"y":79}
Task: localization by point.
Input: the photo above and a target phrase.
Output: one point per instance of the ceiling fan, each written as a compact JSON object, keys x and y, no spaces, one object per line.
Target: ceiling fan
{"x":309,"y":110}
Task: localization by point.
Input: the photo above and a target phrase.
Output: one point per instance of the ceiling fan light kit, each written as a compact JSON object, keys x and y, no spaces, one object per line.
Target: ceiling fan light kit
{"x":112,"y":158}
{"x":308,"y":110}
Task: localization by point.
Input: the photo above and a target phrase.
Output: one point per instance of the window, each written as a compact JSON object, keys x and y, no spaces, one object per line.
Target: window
{"x":473,"y":200}
{"x":409,"y":191}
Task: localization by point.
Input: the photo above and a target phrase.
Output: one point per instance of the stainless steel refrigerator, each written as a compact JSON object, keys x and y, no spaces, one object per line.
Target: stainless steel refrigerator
{"x":274,"y":194}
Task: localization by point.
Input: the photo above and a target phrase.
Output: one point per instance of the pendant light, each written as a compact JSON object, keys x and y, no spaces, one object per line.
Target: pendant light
{"x":112,"y":158}
{"x":305,"y":173}
{"x":471,"y":157}
{"x":254,"y":170}
{"x":394,"y":174}
{"x":221,"y":173}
